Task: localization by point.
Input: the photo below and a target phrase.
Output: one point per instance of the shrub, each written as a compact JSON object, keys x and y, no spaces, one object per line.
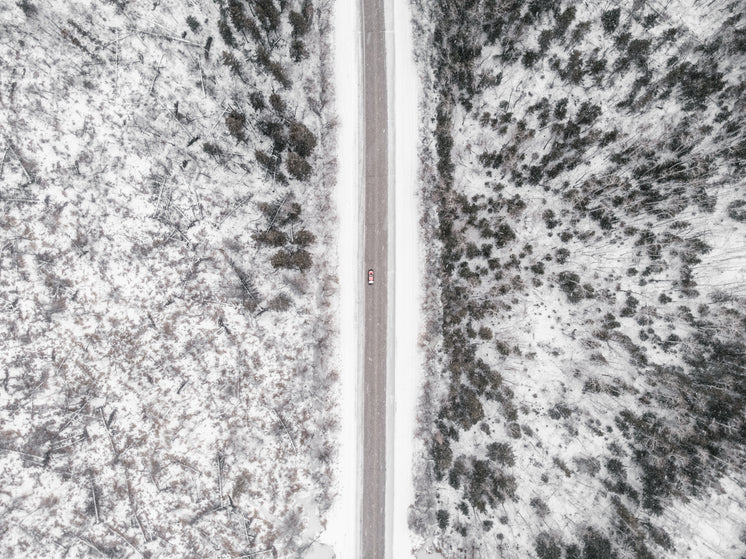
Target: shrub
{"x":270,"y":163}
{"x":547,"y":546}
{"x":298,"y":51}
{"x":304,"y":238}
{"x":267,"y":14}
{"x":563,"y":21}
{"x":280,"y":303}
{"x":298,"y":167}
{"x":236,"y":121}
{"x":227,"y":34}
{"x":529,"y":58}
{"x":545,"y":39}
{"x":569,"y":282}
{"x":301,"y":139}
{"x":193,"y":24}
{"x":737,"y":210}
{"x":549,"y":219}
{"x":610,"y":19}
{"x":256,"y":98}
{"x":273,"y":238}
{"x":230,"y":60}
{"x":442,"y":517}
{"x":504,"y":235}
{"x":560,"y":109}
{"x":300,"y":22}
{"x":538,"y":268}
{"x":597,"y":546}
{"x":588,"y":113}
{"x":501,"y":453}
{"x":299,"y":259}
{"x":213,"y":150}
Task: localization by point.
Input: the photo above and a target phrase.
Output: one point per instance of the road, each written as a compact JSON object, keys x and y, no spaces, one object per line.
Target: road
{"x":375,"y":255}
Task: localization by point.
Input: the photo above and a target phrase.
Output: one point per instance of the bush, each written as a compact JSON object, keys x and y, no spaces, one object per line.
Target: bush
{"x":560,"y":109}
{"x":236,"y":122}
{"x":227,"y":34}
{"x":442,"y":455}
{"x":304,"y":238}
{"x":213,"y":150}
{"x":549,"y":219}
{"x":610,"y":19}
{"x":563,"y":21}
{"x":638,"y":51}
{"x":193,"y":24}
{"x":529,"y":58}
{"x":569,"y":282}
{"x":504,"y":235}
{"x":301,"y":139}
{"x":270,"y":163}
{"x":737,"y":210}
{"x":298,"y":167}
{"x":442,"y":518}
{"x":501,"y":453}
{"x":267,"y":14}
{"x":256,"y":98}
{"x":547,"y":547}
{"x":281,"y":303}
{"x":587,"y":114}
{"x":298,"y":51}
{"x":299,"y":259}
{"x":273,"y":238}
{"x":465,"y":407}
{"x":229,"y":59}
{"x":597,"y":546}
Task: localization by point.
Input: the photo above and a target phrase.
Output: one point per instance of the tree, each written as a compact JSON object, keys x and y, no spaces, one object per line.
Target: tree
{"x":299,"y":259}
{"x":610,"y":19}
{"x":301,"y":139}
{"x":298,"y":167}
{"x":236,"y":121}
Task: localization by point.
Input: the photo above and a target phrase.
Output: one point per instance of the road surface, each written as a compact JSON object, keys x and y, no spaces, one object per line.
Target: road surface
{"x":375,"y":255}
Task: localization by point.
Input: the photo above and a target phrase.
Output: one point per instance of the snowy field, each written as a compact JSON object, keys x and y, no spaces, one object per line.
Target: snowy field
{"x":167,"y":279}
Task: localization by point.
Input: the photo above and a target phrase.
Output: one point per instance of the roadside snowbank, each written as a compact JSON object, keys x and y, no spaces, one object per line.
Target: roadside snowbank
{"x":342,"y":528}
{"x":407,"y":302}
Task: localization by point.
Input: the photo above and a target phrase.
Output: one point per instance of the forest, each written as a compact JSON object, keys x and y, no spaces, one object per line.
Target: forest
{"x":583,"y":191}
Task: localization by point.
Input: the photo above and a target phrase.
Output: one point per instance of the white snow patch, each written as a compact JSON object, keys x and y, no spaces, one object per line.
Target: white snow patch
{"x":342,"y":526}
{"x":407,"y":302}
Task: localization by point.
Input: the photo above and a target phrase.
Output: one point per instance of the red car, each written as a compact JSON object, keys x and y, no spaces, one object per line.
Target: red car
{"x":370,"y":276}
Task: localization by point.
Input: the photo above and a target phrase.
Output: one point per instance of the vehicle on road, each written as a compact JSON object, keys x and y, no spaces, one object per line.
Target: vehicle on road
{"x":370,"y":276}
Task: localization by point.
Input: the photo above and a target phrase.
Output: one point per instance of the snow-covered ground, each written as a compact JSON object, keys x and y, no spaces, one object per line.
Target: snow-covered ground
{"x":406,"y":252}
{"x":342,"y":528}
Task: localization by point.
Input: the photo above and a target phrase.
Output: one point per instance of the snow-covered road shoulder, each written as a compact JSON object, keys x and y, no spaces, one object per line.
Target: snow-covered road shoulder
{"x":342,"y":528}
{"x":407,"y":301}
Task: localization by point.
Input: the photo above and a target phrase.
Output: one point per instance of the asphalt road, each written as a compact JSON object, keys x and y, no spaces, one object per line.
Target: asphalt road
{"x":375,"y":250}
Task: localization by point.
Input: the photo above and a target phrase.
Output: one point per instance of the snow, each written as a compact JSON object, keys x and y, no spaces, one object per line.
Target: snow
{"x":342,"y":527}
{"x":408,"y":267}
{"x":125,"y":319}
